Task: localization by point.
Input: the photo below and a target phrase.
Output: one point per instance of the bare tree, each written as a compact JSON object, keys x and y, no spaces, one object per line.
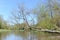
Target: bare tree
{"x":21,"y":15}
{"x":50,"y":2}
{"x":52,"y":5}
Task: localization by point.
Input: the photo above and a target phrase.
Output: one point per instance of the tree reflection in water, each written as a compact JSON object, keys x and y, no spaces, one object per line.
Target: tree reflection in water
{"x":28,"y":35}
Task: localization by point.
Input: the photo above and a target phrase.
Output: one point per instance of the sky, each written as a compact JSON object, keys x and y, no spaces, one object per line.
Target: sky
{"x":6,"y":6}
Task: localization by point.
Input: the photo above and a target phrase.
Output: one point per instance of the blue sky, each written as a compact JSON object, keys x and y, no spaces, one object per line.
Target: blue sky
{"x":6,"y":6}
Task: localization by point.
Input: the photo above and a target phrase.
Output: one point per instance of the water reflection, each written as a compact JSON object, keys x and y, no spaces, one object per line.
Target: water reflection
{"x":27,"y":35}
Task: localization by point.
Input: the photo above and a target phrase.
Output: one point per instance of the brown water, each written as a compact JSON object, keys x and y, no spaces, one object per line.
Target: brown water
{"x":28,"y":35}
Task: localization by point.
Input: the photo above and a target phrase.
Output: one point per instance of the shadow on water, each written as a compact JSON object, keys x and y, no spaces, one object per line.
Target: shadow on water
{"x":28,"y":35}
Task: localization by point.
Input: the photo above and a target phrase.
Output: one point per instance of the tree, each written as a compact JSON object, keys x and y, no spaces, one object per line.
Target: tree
{"x":1,"y":22}
{"x":43,"y":18}
{"x":21,"y":14}
{"x":56,"y":9}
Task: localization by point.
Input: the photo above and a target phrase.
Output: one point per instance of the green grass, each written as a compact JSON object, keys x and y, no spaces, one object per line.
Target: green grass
{"x":4,"y":30}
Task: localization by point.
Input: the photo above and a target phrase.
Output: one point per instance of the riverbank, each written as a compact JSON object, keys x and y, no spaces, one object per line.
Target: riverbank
{"x":40,"y":30}
{"x":5,"y":30}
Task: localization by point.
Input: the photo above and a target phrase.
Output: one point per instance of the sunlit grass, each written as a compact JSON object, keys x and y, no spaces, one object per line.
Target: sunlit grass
{"x":4,"y":30}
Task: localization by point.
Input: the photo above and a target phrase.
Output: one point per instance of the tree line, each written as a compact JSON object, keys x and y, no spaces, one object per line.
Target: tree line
{"x":46,"y":16}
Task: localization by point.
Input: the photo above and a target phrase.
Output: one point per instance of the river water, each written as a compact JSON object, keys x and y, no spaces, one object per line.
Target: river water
{"x":28,"y":35}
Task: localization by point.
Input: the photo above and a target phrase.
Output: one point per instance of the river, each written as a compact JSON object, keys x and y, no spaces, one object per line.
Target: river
{"x":28,"y":35}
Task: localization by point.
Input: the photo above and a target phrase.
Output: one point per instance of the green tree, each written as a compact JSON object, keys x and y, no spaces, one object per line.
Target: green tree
{"x":1,"y":22}
{"x":43,"y":18}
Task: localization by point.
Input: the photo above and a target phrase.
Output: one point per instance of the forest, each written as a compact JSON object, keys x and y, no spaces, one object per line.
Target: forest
{"x":45,"y":16}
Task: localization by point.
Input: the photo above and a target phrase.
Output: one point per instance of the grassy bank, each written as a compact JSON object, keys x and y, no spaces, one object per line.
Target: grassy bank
{"x":4,"y":30}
